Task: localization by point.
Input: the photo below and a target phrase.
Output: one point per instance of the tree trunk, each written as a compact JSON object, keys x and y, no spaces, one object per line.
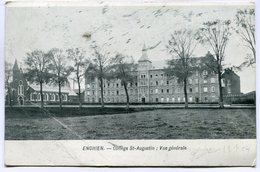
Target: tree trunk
{"x":102,"y":96}
{"x":79,"y":94}
{"x":185,"y":92}
{"x":10,"y":97}
{"x":221,"y":104}
{"x":60,"y":97}
{"x":127,"y":96}
{"x":41,"y":93}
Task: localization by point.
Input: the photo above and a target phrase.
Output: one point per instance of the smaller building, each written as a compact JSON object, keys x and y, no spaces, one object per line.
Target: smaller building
{"x":231,"y":86}
{"x":23,"y":92}
{"x":230,"y":83}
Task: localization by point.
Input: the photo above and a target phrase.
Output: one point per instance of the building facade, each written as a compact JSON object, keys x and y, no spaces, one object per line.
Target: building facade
{"x":23,"y":92}
{"x":154,"y":86}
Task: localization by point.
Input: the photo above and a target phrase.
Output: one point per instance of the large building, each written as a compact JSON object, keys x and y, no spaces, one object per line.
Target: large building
{"x":23,"y":92}
{"x":153,"y":85}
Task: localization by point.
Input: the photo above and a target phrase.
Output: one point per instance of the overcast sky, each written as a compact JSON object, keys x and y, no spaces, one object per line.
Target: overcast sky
{"x":117,"y":29}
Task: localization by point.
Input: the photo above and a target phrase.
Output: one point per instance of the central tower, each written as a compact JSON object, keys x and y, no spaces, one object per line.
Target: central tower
{"x":144,"y":65}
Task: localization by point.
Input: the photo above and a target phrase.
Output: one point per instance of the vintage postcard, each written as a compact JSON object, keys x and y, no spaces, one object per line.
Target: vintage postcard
{"x":114,"y":83}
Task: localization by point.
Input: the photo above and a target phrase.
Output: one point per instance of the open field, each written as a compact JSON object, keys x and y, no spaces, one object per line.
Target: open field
{"x":31,"y":124}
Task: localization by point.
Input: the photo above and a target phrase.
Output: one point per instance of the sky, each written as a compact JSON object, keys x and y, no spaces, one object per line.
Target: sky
{"x":123,"y":29}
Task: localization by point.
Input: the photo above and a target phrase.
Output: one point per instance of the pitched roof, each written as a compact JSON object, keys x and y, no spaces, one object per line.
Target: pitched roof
{"x":53,"y":88}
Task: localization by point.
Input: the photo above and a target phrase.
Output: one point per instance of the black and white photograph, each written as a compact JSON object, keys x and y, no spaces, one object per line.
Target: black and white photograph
{"x":130,"y":71}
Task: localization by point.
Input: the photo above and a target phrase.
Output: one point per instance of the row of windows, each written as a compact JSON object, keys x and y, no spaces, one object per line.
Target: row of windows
{"x":162,"y":82}
{"x":157,"y":99}
{"x":47,"y":97}
{"x":111,"y":100}
{"x":154,"y":91}
{"x":182,"y":99}
{"x":204,"y":73}
{"x":114,"y":85}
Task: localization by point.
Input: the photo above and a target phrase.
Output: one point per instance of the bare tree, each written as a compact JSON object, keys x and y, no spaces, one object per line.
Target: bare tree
{"x":8,"y":75}
{"x":60,"y":69}
{"x":99,"y":68}
{"x":181,"y":46}
{"x":122,"y":68}
{"x":245,"y":21}
{"x":37,"y":69}
{"x":80,"y":64}
{"x":216,"y":35}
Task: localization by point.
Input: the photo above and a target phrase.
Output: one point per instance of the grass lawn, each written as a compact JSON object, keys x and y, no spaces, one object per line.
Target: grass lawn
{"x":30,"y":124}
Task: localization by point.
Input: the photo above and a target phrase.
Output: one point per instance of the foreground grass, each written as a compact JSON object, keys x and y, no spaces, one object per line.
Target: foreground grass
{"x":140,"y":124}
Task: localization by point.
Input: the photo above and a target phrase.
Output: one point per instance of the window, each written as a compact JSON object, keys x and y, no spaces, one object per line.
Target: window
{"x":151,"y":91}
{"x":156,"y":90}
{"x":51,"y":97}
{"x":190,"y":90}
{"x":179,"y":99}
{"x":212,"y":80}
{"x":167,"y":90}
{"x":205,"y":72}
{"x":156,"y":99}
{"x":167,"y":82}
{"x":162,"y":75}
{"x":228,"y":90}
{"x":197,"y":73}
{"x":108,"y":84}
{"x":151,"y":76}
{"x":205,"y":99}
{"x":156,"y":74}
{"x":190,"y":81}
{"x":39,"y":96}
{"x":156,"y":83}
{"x":117,"y":92}
{"x":93,"y":92}
{"x":88,"y":93}
{"x":228,"y":82}
{"x":57,"y":97}
{"x":20,"y":88}
{"x":162,"y":99}
{"x":167,"y":99}
{"x":46,"y":97}
{"x":196,"y":81}
{"x":213,"y":89}
{"x":34,"y":96}
{"x":196,"y":89}
{"x":142,"y":76}
{"x":205,"y":81}
{"x":88,"y":86}
{"x":162,"y":90}
{"x":190,"y":99}
{"x":173,"y":99}
{"x":205,"y":89}
{"x":161,"y":82}
{"x":65,"y":97}
{"x":117,"y":85}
